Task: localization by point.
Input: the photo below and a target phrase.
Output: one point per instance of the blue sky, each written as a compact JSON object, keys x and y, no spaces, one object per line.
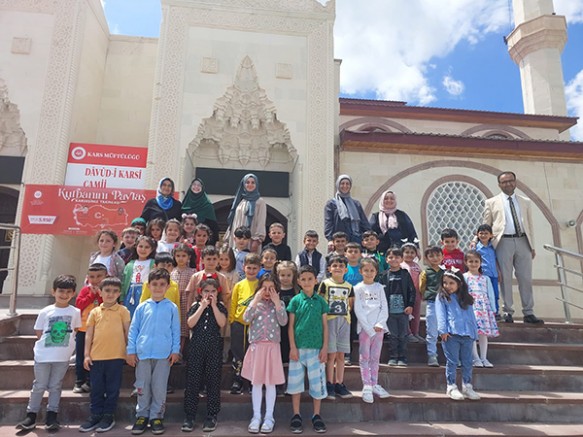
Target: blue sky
{"x":448,"y":54}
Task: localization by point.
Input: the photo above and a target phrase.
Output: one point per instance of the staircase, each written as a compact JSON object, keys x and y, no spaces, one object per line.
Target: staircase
{"x":535,"y":388}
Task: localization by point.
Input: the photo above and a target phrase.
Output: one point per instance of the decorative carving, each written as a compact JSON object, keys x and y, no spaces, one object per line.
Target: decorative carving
{"x":244,"y":124}
{"x":284,"y":71}
{"x":12,"y":136}
{"x":210,"y":65}
{"x":21,"y":46}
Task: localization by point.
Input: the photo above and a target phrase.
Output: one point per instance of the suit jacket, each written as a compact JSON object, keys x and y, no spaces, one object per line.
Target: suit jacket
{"x":494,"y":216}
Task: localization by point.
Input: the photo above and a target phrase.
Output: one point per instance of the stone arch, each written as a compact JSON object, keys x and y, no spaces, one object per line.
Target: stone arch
{"x":493,"y":129}
{"x":382,"y":123}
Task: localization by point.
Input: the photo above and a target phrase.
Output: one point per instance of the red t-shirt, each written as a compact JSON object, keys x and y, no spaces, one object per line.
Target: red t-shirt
{"x":455,"y":258}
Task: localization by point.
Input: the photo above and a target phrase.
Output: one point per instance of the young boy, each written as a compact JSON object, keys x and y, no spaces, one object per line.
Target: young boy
{"x":242,"y":236}
{"x":210,"y":259}
{"x":140,"y":224}
{"x":337,"y":293}
{"x":128,"y":237}
{"x":308,"y":338}
{"x":339,"y":242}
{"x":54,"y":328}
{"x":370,"y":242}
{"x":400,"y":293}
{"x":277,"y":234}
{"x":429,"y":285}
{"x":353,"y":277}
{"x":153,"y":347}
{"x":242,"y":294}
{"x":105,"y":354}
{"x":310,"y":255}
{"x":452,"y":255}
{"x":489,"y":266}
{"x":163,"y":260}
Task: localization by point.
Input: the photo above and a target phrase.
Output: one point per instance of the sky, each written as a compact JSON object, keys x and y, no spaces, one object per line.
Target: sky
{"x":446,"y":53}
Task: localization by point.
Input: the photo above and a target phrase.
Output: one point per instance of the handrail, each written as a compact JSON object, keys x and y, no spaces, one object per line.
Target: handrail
{"x":15,"y":257}
{"x":562,"y":273}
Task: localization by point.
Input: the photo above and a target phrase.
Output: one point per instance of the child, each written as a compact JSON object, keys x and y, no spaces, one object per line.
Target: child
{"x":241,"y":237}
{"x":370,"y":306}
{"x":227,"y":265}
{"x":136,"y":271}
{"x":353,"y":277}
{"x":310,"y":255}
{"x":106,"y":255}
{"x":155,"y":228}
{"x":400,"y":293}
{"x":242,"y":294}
{"x":414,"y":269}
{"x":89,"y":298}
{"x":370,"y":243}
{"x":277,"y":234}
{"x":457,"y":328}
{"x":339,"y":242}
{"x":189,"y":223}
{"x":54,"y":328}
{"x":489,"y":266}
{"x":128,"y":238}
{"x":164,"y":260}
{"x":171,"y":237}
{"x":268,"y":260}
{"x":481,"y":290}
{"x":429,"y":285}
{"x":308,"y":338}
{"x":206,"y":317}
{"x":337,"y":292}
{"x":202,"y":234}
{"x":266,"y":315}
{"x":181,"y":274}
{"x":153,"y":347}
{"x":140,"y":224}
{"x":210,"y":259}
{"x":452,"y":255}
{"x":287,"y":279}
{"x":105,"y":354}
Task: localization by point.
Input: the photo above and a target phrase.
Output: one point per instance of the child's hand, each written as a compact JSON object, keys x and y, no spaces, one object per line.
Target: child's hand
{"x":274,"y":296}
{"x":444,"y":337}
{"x":94,"y":289}
{"x":87,"y":363}
{"x":173,"y":358}
{"x":204,"y":302}
{"x":132,"y":360}
{"x":378,"y":329}
{"x":408,"y":310}
{"x":293,"y":354}
{"x":323,"y":355}
{"x":212,"y":301}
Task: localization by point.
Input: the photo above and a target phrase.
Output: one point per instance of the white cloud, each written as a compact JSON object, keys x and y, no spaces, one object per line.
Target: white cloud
{"x":388,"y":47}
{"x":454,"y":87}
{"x":572,"y":9}
{"x":574,"y":94}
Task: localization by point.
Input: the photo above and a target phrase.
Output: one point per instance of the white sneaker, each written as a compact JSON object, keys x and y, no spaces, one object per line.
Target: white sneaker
{"x":379,"y":391}
{"x":454,"y":393}
{"x":268,"y":425}
{"x":478,"y":363}
{"x":367,"y":394}
{"x":468,"y":392}
{"x":254,"y":425}
{"x":487,"y":363}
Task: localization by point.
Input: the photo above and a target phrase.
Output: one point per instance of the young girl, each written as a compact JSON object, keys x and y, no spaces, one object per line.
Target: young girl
{"x":414,"y":269}
{"x":181,"y":275}
{"x":482,"y":291}
{"x":206,"y":317}
{"x":456,"y":325}
{"x":107,"y":255}
{"x":188,"y":226}
{"x":171,"y":237}
{"x":268,"y":260}
{"x":155,"y":228}
{"x":202,"y":234}
{"x":227,"y":265}
{"x":136,"y":272}
{"x":262,"y":364}
{"x":287,"y":278}
{"x":371,"y":309}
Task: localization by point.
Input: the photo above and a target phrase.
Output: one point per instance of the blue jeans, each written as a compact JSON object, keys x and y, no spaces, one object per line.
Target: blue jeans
{"x":431,"y":326}
{"x":458,"y":348}
{"x":105,"y":385}
{"x":81,"y":373}
{"x":47,"y":377}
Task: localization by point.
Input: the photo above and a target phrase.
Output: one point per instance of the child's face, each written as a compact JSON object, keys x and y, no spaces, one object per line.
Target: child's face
{"x":267,"y":285}
{"x":156,"y":232}
{"x":268,"y":260}
{"x":129,"y":239}
{"x":110,"y":294}
{"x":143,"y":249}
{"x":485,"y":237}
{"x":368,"y":272}
{"x":105,"y":244}
{"x":172,"y":232}
{"x":210,"y":262}
{"x":409,"y":254}
{"x":434,"y":259}
{"x":394,"y":261}
{"x":473,"y":263}
{"x":310,"y":243}
{"x":166,"y":266}
{"x":189,"y":226}
{"x":241,"y":243}
{"x":277,"y":235}
{"x":158,"y":288}
{"x":450,"y":243}
{"x":450,"y":285}
{"x":307,"y":281}
{"x":224,"y":261}
{"x":251,"y":271}
{"x":340,"y":244}
{"x":95,"y":278}
{"x":353,"y":255}
{"x":200,"y":238}
{"x":62,"y":296}
{"x":182,"y":258}
{"x":337,"y":271}
{"x":370,"y":243}
{"x":286,"y":277}
{"x":209,"y":293}
{"x":141,"y":228}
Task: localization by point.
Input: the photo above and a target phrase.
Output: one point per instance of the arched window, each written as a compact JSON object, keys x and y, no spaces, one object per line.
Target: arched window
{"x":457,"y":205}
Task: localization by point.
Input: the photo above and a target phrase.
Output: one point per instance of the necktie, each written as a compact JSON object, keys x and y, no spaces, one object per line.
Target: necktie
{"x":514,"y":217}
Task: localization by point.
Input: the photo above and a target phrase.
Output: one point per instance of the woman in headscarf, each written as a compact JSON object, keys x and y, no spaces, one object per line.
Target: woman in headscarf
{"x":164,"y":205}
{"x":248,"y":209}
{"x":197,"y":202}
{"x":393,"y":226}
{"x":344,"y":214}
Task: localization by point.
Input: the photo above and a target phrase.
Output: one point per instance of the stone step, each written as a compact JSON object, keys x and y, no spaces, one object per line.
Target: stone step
{"x":403,"y":405}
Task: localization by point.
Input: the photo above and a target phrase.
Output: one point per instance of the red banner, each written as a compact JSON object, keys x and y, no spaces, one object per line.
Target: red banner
{"x":66,"y":210}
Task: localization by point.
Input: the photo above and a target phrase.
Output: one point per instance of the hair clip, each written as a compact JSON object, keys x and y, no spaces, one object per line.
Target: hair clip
{"x":404,"y":240}
{"x":416,"y":240}
{"x":192,"y":216}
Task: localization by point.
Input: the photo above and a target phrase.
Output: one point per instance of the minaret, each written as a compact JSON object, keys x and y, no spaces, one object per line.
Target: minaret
{"x":535,"y":45}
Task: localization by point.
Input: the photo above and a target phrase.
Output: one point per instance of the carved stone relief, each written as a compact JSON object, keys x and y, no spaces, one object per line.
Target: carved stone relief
{"x":12,"y":137}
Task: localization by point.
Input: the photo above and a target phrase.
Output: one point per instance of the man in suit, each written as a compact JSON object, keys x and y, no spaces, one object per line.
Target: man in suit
{"x":510,"y":216}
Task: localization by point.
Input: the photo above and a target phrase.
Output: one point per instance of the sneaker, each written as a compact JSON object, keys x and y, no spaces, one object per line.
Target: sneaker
{"x":280,"y":390}
{"x":52,"y":424}
{"x":187,"y":425}
{"x":254,"y":425}
{"x":107,"y":422}
{"x":432,"y":361}
{"x":342,"y":391}
{"x":78,"y":389}
{"x":421,"y":339}
{"x":236,"y":388}
{"x":295,"y":425}
{"x":478,"y":363}
{"x":169,"y":389}
{"x":498,"y":317}
{"x":392,"y":362}
{"x":28,"y":423}
{"x":331,"y":391}
{"x":379,"y":391}
{"x":468,"y":392}
{"x":531,"y":318}
{"x":86,"y":387}
{"x":412,"y":339}
{"x":268,"y":425}
{"x":318,"y":424}
{"x":508,"y":318}
{"x":134,"y":393}
{"x":347,"y":360}
{"x":209,"y":424}
{"x":140,"y":425}
{"x":454,"y":393}
{"x":157,"y":426}
{"x":91,"y":424}
{"x":487,"y":363}
{"x":367,"y":394}
{"x":402,"y":363}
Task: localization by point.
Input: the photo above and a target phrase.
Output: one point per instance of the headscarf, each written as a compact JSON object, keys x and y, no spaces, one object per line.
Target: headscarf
{"x":165,"y":202}
{"x":199,"y":203}
{"x":250,"y":196}
{"x":387,"y":217}
{"x":346,"y":206}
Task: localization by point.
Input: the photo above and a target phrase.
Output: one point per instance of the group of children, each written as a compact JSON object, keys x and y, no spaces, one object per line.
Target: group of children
{"x":197,"y":304}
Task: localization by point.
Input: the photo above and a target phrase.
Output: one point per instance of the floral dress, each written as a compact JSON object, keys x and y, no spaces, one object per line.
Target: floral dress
{"x":481,"y":290}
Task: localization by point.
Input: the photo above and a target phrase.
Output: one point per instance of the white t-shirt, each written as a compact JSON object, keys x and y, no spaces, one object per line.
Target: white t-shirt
{"x":105,"y":260}
{"x":141,"y":271}
{"x":57,"y":342}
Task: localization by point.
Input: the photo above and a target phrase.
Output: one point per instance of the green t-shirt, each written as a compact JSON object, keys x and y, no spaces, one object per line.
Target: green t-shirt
{"x":308,"y":312}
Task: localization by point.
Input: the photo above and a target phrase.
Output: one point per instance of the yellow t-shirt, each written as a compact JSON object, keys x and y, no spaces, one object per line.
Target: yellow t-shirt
{"x":172,"y":294}
{"x":240,"y":298}
{"x":109,"y":342}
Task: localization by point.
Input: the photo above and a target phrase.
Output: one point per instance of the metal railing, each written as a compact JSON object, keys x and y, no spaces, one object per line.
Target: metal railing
{"x":14,"y":259}
{"x":562,"y":271}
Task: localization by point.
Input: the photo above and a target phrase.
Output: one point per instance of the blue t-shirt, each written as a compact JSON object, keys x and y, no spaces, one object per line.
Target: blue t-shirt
{"x":353,"y":276}
{"x":488,"y":254}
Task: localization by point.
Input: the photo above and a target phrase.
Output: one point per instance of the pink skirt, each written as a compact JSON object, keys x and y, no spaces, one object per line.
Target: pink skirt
{"x":262,"y":364}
